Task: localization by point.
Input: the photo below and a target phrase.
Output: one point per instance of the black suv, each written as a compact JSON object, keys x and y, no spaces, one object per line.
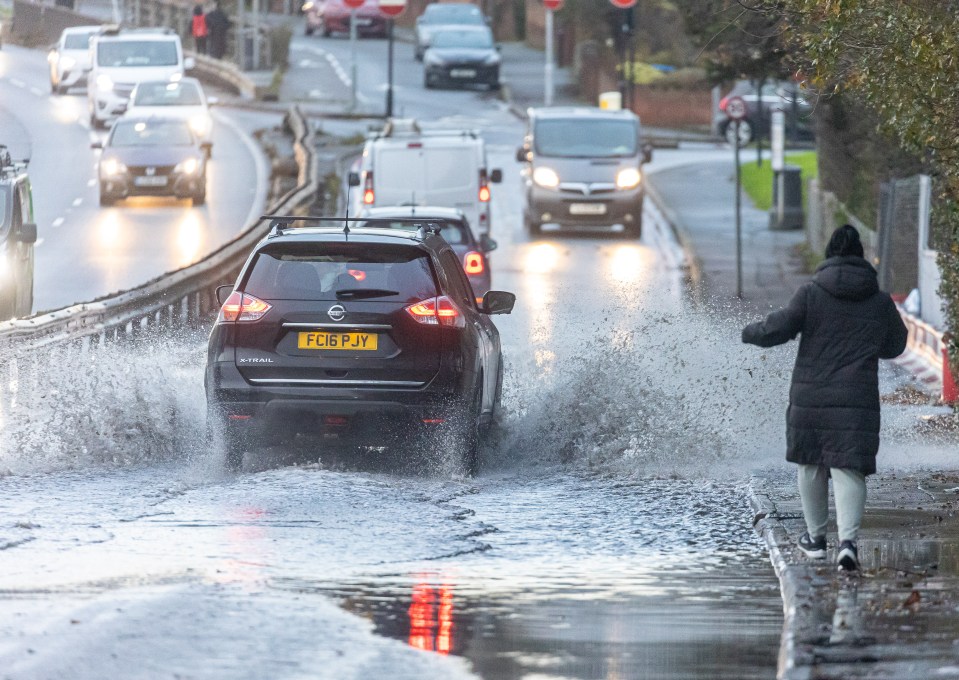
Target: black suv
{"x":18,"y":234}
{"x":368,"y":336}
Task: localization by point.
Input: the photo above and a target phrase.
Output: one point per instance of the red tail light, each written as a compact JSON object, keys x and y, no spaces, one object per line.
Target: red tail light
{"x":484,"y":187}
{"x":242,"y":307}
{"x":473,"y":263}
{"x":368,"y":195}
{"x":438,"y":311}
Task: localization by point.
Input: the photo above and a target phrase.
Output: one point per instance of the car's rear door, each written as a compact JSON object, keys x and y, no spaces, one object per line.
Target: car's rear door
{"x":338,"y":316}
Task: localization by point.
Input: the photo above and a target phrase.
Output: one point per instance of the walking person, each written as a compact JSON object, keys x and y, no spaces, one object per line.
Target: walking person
{"x":217,"y":24}
{"x":847,"y":324}
{"x":199,"y":29}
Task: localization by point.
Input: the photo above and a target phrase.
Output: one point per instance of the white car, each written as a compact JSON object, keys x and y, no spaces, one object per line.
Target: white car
{"x":180,"y":98}
{"x":70,"y":58}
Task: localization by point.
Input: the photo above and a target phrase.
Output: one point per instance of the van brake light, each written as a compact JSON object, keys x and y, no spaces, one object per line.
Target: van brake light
{"x":484,"y":193}
{"x":368,"y":195}
{"x":438,"y":311}
{"x":473,"y":262}
{"x":241,"y":307}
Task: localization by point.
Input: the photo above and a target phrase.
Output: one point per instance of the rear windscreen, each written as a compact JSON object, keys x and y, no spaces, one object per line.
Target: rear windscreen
{"x":341,"y":271}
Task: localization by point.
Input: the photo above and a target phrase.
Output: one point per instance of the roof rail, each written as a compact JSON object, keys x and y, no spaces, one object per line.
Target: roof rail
{"x":282,"y":224}
{"x":410,"y":127}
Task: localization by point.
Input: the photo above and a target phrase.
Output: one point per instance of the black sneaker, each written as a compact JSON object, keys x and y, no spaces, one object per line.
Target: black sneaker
{"x":848,"y":557}
{"x":813,"y":547}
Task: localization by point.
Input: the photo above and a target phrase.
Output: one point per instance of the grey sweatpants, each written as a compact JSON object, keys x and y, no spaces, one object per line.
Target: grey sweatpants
{"x":849,"y":487}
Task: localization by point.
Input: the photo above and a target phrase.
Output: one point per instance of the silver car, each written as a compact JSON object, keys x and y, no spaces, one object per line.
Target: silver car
{"x":442,"y":15}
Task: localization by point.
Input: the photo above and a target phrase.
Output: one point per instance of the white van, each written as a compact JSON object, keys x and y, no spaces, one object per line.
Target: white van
{"x":121,"y":59}
{"x":407,"y":165}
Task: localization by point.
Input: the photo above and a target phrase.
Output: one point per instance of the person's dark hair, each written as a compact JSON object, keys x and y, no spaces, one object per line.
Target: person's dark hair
{"x":844,"y":242}
{"x":197,"y":10}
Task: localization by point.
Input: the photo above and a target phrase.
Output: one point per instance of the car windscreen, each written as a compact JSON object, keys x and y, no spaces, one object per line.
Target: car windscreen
{"x":465,"y":39}
{"x":585,"y":138}
{"x":454,"y":233}
{"x":452,"y":14}
{"x":119,"y":53}
{"x":151,"y":133}
{"x":77,"y":41}
{"x":338,"y":271}
{"x":168,"y":94}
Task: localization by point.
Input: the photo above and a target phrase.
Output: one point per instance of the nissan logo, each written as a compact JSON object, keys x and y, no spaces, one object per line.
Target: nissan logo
{"x":337,"y":312}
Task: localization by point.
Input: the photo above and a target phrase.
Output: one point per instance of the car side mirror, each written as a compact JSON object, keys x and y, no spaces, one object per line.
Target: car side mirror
{"x":222,"y":293}
{"x":212,"y":101}
{"x":496,"y":176}
{"x":498,"y":302}
{"x":522,"y":155}
{"x":353,"y":179}
{"x":647,"y":152}
{"x":96,"y":145}
{"x":189,"y":63}
{"x":28,"y":232}
{"x":487,"y":244}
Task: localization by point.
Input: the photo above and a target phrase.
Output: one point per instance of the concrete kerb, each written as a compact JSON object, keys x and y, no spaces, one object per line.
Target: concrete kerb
{"x":692,"y":264}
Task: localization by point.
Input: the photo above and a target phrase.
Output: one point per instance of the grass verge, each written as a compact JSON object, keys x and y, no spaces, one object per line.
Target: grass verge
{"x":758,"y":180}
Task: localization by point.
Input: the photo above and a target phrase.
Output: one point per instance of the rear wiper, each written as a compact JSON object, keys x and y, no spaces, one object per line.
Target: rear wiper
{"x":356,"y":293}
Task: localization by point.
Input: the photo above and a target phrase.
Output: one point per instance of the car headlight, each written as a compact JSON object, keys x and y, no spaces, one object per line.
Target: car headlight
{"x":187,"y":167}
{"x":68,"y":62}
{"x":491,"y":59}
{"x":201,"y":125}
{"x":307,"y":6}
{"x":546,"y":177}
{"x":104,"y":82}
{"x":433,"y":59}
{"x":628,"y":178}
{"x":111,"y":167}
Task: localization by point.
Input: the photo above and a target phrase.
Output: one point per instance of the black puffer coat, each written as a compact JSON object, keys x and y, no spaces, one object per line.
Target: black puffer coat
{"x":847,"y":325}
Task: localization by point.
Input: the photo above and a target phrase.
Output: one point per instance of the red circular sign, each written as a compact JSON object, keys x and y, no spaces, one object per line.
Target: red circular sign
{"x":354,"y":4}
{"x":392,"y":8}
{"x":735,"y":108}
{"x":554,"y":5}
{"x":623,"y":4}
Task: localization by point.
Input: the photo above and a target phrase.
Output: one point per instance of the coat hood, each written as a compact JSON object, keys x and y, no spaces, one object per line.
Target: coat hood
{"x":849,"y":278}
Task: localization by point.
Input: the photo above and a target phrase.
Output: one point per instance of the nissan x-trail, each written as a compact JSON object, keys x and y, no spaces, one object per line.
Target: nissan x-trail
{"x":369,"y":337}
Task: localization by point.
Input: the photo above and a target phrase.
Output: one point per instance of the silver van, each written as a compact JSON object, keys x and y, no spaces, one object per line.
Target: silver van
{"x":583,"y":168}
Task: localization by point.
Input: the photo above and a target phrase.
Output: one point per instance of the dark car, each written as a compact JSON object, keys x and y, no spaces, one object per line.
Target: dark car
{"x":333,"y":16}
{"x":776,"y":94}
{"x":18,"y":234}
{"x":455,"y":229}
{"x":440,"y":15}
{"x":462,"y":55}
{"x":152,"y":157}
{"x":370,"y":337}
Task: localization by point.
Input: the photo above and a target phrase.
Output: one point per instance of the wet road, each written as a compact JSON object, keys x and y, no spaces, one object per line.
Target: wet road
{"x":606,"y":536}
{"x":84,"y":251}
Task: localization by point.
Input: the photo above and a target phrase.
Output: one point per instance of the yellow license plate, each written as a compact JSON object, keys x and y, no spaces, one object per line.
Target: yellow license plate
{"x":347,"y":341}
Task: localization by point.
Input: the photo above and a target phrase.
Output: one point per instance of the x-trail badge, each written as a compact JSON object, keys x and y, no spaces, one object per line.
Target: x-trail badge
{"x":337,"y":312}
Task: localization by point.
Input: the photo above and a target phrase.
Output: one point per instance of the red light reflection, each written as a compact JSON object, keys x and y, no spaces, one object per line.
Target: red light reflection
{"x":358,"y":274}
{"x":431,"y":618}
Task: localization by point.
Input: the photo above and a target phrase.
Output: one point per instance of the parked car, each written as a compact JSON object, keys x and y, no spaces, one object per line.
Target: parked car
{"x":786,"y":95}
{"x":333,"y":16}
{"x":181,"y":98}
{"x":408,"y":164}
{"x":18,"y":234}
{"x":461,"y":55}
{"x":151,"y":157}
{"x":122,"y":58}
{"x":455,"y":230}
{"x":583,"y":167}
{"x":69,"y":59}
{"x":441,"y":15}
{"x":370,"y":337}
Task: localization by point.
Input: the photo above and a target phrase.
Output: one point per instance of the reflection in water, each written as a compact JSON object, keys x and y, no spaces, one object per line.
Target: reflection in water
{"x":189,"y":239}
{"x":626,"y":264}
{"x":542,"y":258}
{"x":431,"y":618}
{"x":68,"y":109}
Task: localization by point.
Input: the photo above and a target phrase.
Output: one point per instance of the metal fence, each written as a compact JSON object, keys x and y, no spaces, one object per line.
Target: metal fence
{"x":899,"y":227}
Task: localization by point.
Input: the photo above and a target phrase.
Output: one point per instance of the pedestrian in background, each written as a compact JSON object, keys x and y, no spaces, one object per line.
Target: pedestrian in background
{"x":199,"y":29}
{"x":847,"y":324}
{"x":217,"y":24}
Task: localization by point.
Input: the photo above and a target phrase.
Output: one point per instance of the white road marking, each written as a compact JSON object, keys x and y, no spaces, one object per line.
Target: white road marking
{"x":38,"y":243}
{"x":91,"y":183}
{"x":262,"y":169}
{"x":36,"y":91}
{"x":77,"y":202}
{"x":16,"y":82}
{"x":57,"y":222}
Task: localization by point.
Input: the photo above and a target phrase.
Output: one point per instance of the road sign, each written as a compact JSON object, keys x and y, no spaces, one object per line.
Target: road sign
{"x":554,"y":5}
{"x":623,"y":4}
{"x":392,"y":8}
{"x":735,"y":108}
{"x":354,"y":4}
